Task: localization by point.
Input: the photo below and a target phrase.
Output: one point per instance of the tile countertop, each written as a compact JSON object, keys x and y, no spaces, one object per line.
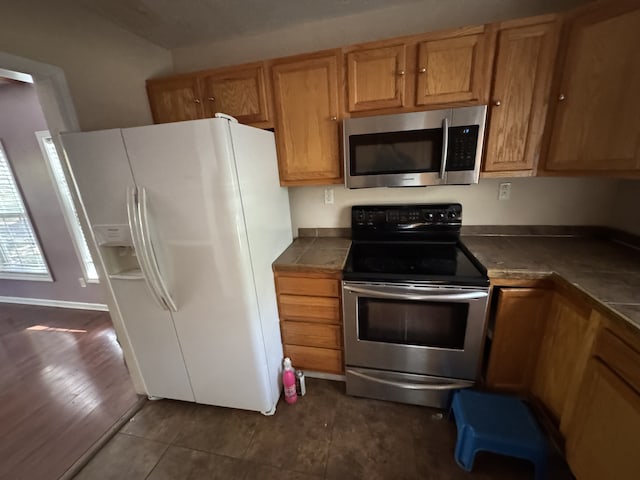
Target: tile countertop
{"x":314,"y":253}
{"x":606,"y":270}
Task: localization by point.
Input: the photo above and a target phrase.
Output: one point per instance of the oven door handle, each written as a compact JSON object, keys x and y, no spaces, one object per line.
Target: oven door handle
{"x":443,"y":297}
{"x":412,"y":386}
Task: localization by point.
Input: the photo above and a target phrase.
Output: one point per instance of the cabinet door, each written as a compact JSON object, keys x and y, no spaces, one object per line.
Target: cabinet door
{"x":519,"y":325}
{"x":603,"y":442}
{"x":376,"y":78}
{"x":563,"y":354}
{"x":239,"y":92}
{"x":307,"y":109}
{"x":451,"y":69}
{"x":519,"y":96}
{"x":597,"y":115}
{"x":175,"y":99}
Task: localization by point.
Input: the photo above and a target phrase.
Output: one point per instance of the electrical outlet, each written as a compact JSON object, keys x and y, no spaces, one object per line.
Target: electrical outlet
{"x":82,"y":282}
{"x":328,"y":196}
{"x":504,"y":192}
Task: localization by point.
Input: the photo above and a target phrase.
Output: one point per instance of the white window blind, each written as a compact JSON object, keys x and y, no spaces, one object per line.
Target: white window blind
{"x":20,"y":253}
{"x":66,"y":200}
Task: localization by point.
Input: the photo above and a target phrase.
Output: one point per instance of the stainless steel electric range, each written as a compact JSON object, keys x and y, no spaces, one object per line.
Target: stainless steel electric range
{"x":414,"y":305}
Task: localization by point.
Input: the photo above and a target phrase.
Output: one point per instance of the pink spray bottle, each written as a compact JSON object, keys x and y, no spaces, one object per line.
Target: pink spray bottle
{"x":289,"y":382}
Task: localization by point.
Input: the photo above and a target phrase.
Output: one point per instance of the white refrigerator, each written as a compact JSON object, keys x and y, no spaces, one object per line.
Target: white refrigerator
{"x":187,"y":219}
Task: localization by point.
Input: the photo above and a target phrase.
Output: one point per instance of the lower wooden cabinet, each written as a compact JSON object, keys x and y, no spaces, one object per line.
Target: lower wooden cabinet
{"x":519,"y":324}
{"x":316,"y":359}
{"x":563,"y":354}
{"x":311,"y":320}
{"x":563,"y":351}
{"x":602,"y":432}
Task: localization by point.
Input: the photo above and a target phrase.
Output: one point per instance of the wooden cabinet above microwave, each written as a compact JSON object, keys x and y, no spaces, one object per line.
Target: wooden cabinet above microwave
{"x":419,"y":72}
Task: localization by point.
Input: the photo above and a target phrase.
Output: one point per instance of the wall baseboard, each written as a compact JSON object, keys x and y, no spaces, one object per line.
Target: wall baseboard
{"x":44,"y":302}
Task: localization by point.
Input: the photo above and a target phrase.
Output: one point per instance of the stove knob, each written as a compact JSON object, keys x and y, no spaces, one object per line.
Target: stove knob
{"x":441,"y":216}
{"x":453,"y":215}
{"x":428,"y":217}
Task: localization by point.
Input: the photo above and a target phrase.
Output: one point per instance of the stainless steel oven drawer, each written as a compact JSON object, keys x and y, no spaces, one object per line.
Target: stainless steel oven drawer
{"x":402,"y":387}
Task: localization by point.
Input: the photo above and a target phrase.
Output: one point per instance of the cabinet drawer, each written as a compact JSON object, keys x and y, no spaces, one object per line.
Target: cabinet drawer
{"x":319,"y":287}
{"x":311,"y":309}
{"x":311,"y":334}
{"x":619,"y":357}
{"x":313,"y":358}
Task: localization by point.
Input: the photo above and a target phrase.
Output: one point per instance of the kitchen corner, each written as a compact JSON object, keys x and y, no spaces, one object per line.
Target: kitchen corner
{"x":602,"y":263}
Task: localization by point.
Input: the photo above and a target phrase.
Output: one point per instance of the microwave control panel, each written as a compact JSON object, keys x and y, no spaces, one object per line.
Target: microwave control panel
{"x":463,"y":142}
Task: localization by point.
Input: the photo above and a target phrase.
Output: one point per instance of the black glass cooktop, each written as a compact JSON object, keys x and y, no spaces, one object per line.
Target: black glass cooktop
{"x":413,"y":261}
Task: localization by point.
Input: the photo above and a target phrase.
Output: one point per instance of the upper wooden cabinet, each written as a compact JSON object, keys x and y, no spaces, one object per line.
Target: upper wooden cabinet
{"x":237,"y":91}
{"x":307,"y":108}
{"x":417,"y":72}
{"x":452,"y":69}
{"x":376,"y":77}
{"x":596,"y":123}
{"x":175,"y":99}
{"x":520,"y":93}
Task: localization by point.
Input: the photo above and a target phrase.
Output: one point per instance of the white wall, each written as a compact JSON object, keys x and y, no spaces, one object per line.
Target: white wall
{"x":419,"y":17}
{"x":534,"y":201}
{"x":106,"y":67}
{"x":626,"y":209}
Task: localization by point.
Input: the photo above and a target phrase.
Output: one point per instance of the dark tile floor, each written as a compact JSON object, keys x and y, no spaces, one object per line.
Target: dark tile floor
{"x":326,"y":434}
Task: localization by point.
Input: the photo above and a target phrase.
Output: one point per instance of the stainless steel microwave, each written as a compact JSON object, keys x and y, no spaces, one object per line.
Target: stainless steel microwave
{"x":438,"y":147}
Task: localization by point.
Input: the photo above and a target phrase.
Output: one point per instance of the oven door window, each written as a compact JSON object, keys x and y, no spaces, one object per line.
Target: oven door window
{"x":412,"y":151}
{"x":425,"y":324}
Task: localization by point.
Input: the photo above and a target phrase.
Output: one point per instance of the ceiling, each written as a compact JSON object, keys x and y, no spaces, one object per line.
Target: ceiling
{"x":171,"y":23}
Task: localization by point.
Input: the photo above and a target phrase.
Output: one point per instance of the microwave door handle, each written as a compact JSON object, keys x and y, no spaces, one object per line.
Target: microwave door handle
{"x":445,"y":147}
{"x":446,"y":297}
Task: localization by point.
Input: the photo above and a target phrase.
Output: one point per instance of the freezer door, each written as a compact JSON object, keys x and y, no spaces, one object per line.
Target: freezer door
{"x":188,"y":172}
{"x":100,"y":169}
{"x":154,"y":340}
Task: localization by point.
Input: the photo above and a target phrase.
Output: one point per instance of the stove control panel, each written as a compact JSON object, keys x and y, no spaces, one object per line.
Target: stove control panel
{"x":369,"y":220}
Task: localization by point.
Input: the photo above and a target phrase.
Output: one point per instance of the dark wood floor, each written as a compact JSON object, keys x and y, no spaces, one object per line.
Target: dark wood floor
{"x":63,"y":384}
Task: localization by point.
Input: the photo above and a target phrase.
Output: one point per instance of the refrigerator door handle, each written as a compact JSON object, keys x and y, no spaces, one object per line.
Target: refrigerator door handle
{"x":145,"y":235}
{"x":132,"y":213}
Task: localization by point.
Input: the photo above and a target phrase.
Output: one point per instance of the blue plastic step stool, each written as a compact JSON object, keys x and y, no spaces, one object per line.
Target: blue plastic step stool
{"x":498,"y":424}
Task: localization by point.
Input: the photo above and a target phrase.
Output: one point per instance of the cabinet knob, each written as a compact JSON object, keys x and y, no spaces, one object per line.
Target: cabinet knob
{"x":212,"y":99}
{"x":497,"y":103}
{"x":401,"y":72}
{"x":561,"y":97}
{"x":423,"y":70}
{"x":334,"y":119}
{"x":196,"y":100}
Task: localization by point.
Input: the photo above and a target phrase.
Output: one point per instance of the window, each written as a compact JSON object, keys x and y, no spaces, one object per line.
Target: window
{"x":66,"y":201}
{"x":20,"y":253}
